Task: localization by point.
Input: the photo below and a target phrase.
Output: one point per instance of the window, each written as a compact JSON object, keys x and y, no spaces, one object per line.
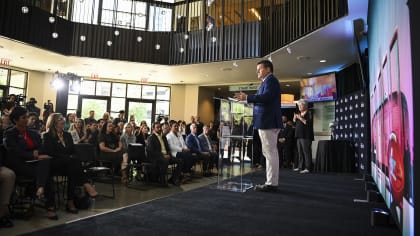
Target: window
{"x":118,"y":89}
{"x":85,"y":11}
{"x":12,"y":82}
{"x":87,"y":87}
{"x":142,"y":99}
{"x":103,"y":88}
{"x":160,"y":19}
{"x":163,"y":93}
{"x":3,"y":76}
{"x":124,"y":14}
{"x":133,"y":91}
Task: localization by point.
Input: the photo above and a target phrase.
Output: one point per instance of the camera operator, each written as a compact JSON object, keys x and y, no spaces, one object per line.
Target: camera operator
{"x":30,"y":106}
{"x":48,"y":109}
{"x":10,"y":103}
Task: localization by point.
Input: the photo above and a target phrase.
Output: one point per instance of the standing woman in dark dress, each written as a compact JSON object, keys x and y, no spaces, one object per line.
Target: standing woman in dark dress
{"x":59,"y":145}
{"x":25,"y":158}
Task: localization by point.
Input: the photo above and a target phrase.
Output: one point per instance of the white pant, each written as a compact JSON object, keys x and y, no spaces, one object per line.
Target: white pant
{"x":269,"y":149}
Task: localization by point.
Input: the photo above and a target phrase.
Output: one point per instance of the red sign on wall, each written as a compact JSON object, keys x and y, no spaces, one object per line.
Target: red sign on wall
{"x":4,"y":62}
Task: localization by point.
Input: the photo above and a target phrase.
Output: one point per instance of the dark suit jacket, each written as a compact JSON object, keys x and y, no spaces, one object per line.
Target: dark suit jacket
{"x":289,"y":134}
{"x":267,"y":104}
{"x":17,"y":150}
{"x":153,"y":146}
{"x":52,"y":146}
{"x":203,"y":142}
{"x":193,"y":145}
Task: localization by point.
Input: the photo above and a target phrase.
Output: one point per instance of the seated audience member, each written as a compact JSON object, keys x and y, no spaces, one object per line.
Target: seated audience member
{"x":159,"y":152}
{"x":120,"y":118}
{"x":143,"y":135}
{"x":106,"y":117}
{"x":32,"y":121}
{"x":70,"y":118}
{"x":77,"y":131}
{"x":126,"y":138}
{"x":193,"y":143}
{"x":91,"y":117}
{"x":207,"y":145}
{"x":110,"y":148}
{"x":25,"y":158}
{"x":165,"y":128}
{"x":92,"y":134}
{"x":182,"y":128}
{"x":179,"y":149}
{"x":7,"y":183}
{"x":58,"y":144}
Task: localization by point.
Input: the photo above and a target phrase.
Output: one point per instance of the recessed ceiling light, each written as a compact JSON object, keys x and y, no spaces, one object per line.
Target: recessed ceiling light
{"x":323,"y":61}
{"x":287,"y":85}
{"x":309,"y":73}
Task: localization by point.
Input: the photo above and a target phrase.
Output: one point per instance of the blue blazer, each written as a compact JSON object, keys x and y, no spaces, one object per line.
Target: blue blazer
{"x":267,"y":104}
{"x":193,"y":145}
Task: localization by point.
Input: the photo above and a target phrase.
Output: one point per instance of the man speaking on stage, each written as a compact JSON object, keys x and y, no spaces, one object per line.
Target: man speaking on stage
{"x":267,"y":120}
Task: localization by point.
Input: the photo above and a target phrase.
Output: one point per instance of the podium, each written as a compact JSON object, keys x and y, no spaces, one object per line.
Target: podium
{"x":235,"y":118}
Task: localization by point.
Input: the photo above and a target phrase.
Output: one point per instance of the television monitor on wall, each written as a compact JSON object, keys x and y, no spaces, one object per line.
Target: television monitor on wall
{"x":319,"y":88}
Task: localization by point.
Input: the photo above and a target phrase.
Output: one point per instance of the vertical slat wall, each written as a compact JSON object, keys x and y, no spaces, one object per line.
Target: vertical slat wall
{"x":241,"y":29}
{"x":286,"y":21}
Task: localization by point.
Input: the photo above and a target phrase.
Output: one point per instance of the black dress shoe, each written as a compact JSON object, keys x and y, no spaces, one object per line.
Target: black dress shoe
{"x":5,"y":222}
{"x":265,"y":188}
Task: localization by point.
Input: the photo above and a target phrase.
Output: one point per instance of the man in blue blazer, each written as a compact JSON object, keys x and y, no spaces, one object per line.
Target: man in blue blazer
{"x":267,"y":119}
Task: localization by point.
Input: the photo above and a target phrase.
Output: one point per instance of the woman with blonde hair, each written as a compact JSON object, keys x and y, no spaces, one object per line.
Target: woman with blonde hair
{"x":78,"y":131}
{"x":58,"y":144}
{"x":126,"y":138}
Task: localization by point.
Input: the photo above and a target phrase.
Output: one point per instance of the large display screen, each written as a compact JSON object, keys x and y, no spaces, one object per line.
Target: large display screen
{"x":319,"y":88}
{"x":391,"y":108}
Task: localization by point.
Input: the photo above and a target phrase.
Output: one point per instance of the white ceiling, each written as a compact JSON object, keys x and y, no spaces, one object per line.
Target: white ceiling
{"x":333,"y":43}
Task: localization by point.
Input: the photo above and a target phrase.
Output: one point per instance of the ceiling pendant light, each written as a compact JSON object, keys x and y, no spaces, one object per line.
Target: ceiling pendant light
{"x":157,"y":46}
{"x":51,"y":19}
{"x":116,"y":32}
{"x":109,"y":43}
{"x":213,"y":39}
{"x":25,"y":9}
{"x":181,"y":50}
{"x":139,"y":39}
{"x":54,"y":35}
{"x":82,"y":38}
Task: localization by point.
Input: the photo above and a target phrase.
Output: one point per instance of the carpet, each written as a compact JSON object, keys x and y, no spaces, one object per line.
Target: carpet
{"x":305,"y":204}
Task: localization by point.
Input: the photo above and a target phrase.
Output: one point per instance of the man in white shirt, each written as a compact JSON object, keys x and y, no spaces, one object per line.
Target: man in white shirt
{"x":178,"y":148}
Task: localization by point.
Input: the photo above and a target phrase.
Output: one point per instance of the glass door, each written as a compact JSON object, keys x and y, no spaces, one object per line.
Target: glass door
{"x":86,"y":104}
{"x":141,"y":110}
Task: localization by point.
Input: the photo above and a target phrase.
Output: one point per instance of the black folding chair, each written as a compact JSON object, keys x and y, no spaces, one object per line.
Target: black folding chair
{"x":94,"y":169}
{"x":139,"y":165}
